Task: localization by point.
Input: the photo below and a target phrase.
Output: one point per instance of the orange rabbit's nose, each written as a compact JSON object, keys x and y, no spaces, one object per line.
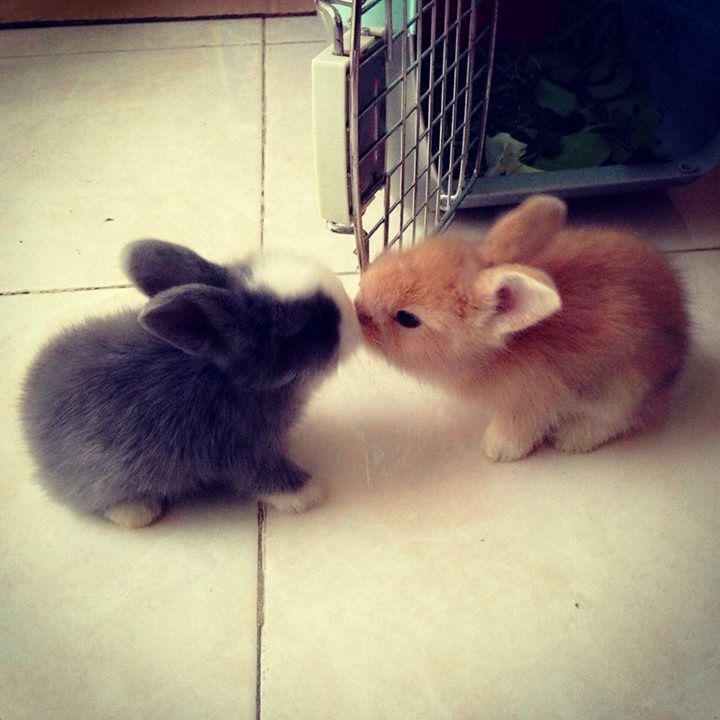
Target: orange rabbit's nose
{"x":364,"y":319}
{"x":363,"y":316}
{"x":367,"y":324}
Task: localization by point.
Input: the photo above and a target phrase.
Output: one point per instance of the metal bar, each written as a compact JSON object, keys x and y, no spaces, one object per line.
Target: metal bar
{"x":434,"y":156}
{"x":433,"y":43}
{"x":443,"y":93}
{"x":437,"y":154}
{"x":445,"y":132}
{"x":403,"y":104}
{"x":391,"y":86}
{"x":365,"y":6}
{"x":371,"y":52}
{"x":388,"y":30}
{"x":449,"y":106}
{"x":418,"y":82}
{"x":453,"y":112}
{"x":488,"y":85}
{"x":382,"y":138}
{"x":413,"y":219}
{"x":333,"y":24}
{"x":406,"y":116}
{"x":469,"y":97}
{"x":388,"y":89}
{"x":450,"y":28}
{"x":457,"y":161}
{"x":423,"y":135}
{"x":386,"y":208}
{"x":376,"y":227}
{"x":370,"y":4}
{"x":354,"y":135}
{"x":421,"y":174}
{"x":450,"y":67}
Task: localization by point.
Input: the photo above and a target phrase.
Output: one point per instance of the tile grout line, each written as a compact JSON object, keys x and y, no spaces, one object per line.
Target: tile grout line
{"x":126,"y":50}
{"x":128,"y":286}
{"x":260,"y":611}
{"x":156,"y":49}
{"x":690,"y":250}
{"x":260,"y":591}
{"x":263,"y":131}
{"x":299,"y":42}
{"x":11,"y":293}
{"x":162,"y":49}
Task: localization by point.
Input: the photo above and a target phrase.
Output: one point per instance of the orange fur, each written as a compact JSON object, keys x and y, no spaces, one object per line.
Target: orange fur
{"x":603,"y":333}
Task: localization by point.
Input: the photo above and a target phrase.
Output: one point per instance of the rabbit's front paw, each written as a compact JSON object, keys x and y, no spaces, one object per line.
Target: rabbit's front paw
{"x":309,"y":495}
{"x":505,"y":444}
{"x":134,"y":514}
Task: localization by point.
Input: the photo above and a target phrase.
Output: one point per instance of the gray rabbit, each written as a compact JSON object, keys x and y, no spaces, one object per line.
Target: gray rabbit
{"x":126,"y":414}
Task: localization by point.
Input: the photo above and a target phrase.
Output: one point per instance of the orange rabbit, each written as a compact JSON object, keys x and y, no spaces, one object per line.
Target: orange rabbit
{"x":571,"y":335}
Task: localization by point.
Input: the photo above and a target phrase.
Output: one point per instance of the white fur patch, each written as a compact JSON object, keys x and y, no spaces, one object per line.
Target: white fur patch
{"x":287,"y":276}
{"x":312,"y":494}
{"x":134,"y":514}
{"x":291,"y":277}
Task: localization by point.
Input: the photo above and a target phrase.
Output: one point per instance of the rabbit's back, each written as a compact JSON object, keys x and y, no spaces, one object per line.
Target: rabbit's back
{"x":622,"y":303}
{"x":112,"y":412}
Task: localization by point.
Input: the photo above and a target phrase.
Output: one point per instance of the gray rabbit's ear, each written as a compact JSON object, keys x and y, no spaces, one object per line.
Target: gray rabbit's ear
{"x":156,"y":265}
{"x":197,"y":319}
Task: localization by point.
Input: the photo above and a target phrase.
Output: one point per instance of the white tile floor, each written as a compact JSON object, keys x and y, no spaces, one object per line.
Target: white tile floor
{"x":432,"y":584}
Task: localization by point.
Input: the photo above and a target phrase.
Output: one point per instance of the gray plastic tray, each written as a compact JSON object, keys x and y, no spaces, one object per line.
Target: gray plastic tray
{"x":684,"y":78}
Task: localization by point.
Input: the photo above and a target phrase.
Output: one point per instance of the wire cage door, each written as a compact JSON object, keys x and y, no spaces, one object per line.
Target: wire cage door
{"x":417,"y":78}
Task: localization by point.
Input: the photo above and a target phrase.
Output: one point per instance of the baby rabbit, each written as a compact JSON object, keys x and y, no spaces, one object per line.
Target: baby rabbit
{"x":128,"y":413}
{"x":567,"y":335}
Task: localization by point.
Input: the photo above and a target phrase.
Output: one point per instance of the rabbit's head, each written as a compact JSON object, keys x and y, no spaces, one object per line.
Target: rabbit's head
{"x":268,"y":321}
{"x":446,"y":305}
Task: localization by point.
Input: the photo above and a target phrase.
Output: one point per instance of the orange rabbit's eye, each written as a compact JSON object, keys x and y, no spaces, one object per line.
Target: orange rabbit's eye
{"x":407,"y":319}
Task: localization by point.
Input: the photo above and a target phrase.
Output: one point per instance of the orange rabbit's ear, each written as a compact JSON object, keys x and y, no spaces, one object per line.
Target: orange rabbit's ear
{"x":519,"y":297}
{"x":523,"y":232}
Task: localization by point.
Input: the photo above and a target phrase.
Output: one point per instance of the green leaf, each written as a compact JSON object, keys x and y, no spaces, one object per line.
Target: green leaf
{"x":619,"y":83}
{"x":556,"y":98}
{"x":581,"y":149}
{"x":523,"y":169}
{"x":547,"y":143}
{"x":503,"y":154}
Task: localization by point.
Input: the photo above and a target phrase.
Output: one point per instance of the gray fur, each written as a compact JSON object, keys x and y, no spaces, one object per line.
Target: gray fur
{"x":198,"y":393}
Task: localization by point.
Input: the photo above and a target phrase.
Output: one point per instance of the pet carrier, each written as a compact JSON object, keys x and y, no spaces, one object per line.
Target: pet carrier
{"x":423,"y":106}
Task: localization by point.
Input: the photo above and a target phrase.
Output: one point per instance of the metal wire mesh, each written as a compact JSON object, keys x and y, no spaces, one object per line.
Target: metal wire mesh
{"x":417,"y":109}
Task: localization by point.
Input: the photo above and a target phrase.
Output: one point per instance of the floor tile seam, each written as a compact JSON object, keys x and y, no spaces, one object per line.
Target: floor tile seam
{"x":263,"y":130}
{"x":681,"y":251}
{"x":118,"y":286}
{"x":128,"y":50}
{"x":260,"y":587}
{"x":260,"y":606}
{"x":49,"y":291}
{"x":277,"y":43}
